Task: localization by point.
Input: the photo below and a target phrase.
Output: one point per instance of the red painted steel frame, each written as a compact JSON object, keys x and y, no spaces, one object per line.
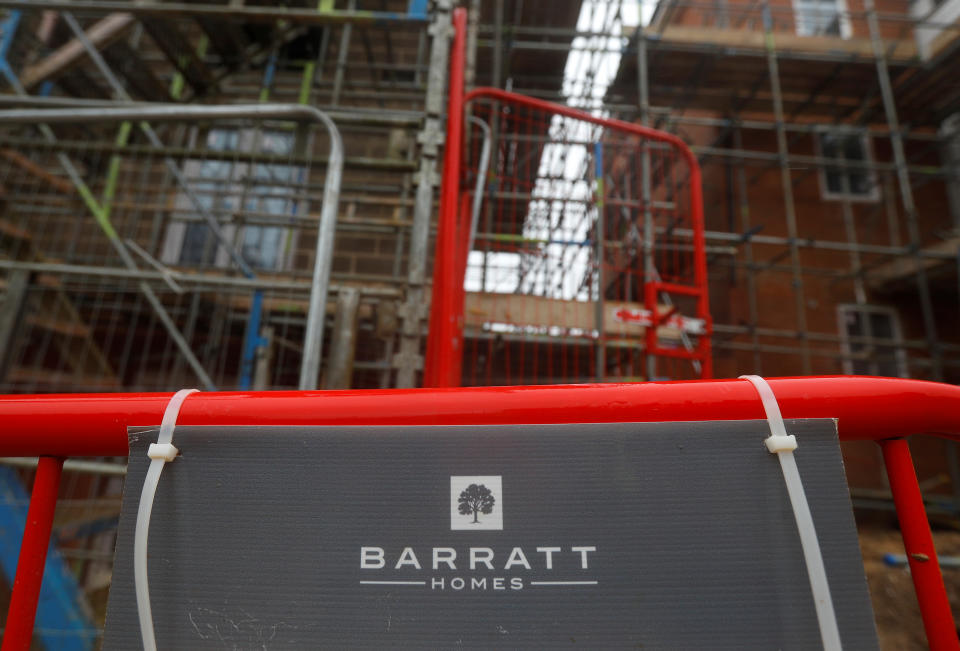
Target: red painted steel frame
{"x":444,"y":345}
{"x":866,"y":408}
{"x":33,"y":555}
{"x":918,"y":544}
{"x":444,"y":355}
{"x":696,"y":192}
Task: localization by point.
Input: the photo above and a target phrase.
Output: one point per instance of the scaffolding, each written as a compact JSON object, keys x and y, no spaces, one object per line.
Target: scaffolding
{"x":827,"y":138}
{"x":759,"y":101}
{"x":576,"y":275}
{"x":760,"y":97}
{"x":263,"y":56}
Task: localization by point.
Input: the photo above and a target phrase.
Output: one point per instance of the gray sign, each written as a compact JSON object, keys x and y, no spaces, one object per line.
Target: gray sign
{"x":669,"y":536}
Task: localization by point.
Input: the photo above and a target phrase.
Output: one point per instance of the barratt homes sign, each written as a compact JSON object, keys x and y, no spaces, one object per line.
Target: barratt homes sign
{"x":591,"y":536}
{"x":480,"y":568}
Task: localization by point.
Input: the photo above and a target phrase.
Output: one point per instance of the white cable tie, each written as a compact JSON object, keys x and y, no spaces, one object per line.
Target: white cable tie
{"x":160,"y":453}
{"x":783,"y":445}
{"x":164,"y":451}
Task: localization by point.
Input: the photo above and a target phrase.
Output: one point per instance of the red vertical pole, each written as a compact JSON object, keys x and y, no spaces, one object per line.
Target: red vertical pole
{"x":33,"y":556}
{"x":918,"y":542}
{"x":650,"y":302}
{"x":460,"y":295}
{"x":444,"y":347}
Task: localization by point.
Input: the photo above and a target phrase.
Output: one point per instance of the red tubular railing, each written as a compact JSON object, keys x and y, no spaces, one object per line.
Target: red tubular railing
{"x":33,"y":555}
{"x":880,"y":409}
{"x":445,"y":344}
{"x":918,"y":543}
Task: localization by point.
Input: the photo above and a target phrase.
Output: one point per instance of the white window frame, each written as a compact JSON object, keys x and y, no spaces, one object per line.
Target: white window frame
{"x":896,"y":340}
{"x":825,"y":192}
{"x":800,"y":14}
{"x":185,"y":212}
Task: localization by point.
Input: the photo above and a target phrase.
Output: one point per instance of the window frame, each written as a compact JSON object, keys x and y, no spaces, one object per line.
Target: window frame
{"x":826,"y":193}
{"x":843,"y":20}
{"x":896,"y":341}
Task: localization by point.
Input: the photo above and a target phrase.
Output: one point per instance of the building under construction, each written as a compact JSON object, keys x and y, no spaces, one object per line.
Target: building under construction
{"x":240,"y":195}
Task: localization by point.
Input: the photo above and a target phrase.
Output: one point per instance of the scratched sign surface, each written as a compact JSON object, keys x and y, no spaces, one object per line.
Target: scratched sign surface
{"x":592,"y":536}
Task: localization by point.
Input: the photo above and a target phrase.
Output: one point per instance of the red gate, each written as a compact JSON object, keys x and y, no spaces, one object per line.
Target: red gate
{"x":570,"y":248}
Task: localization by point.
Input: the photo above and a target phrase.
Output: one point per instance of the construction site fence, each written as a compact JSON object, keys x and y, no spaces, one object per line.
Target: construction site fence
{"x":558,"y":257}
{"x":56,"y":427}
{"x":154,"y":246}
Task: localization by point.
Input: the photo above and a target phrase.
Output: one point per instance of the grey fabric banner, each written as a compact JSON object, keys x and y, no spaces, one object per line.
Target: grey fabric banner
{"x":652,"y":535}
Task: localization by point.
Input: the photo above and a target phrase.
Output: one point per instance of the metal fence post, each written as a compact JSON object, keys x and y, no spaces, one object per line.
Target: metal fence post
{"x":18,"y":629}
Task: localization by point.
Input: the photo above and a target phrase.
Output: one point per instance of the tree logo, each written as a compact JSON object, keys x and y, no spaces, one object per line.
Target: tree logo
{"x":476,"y":499}
{"x":476,"y":502}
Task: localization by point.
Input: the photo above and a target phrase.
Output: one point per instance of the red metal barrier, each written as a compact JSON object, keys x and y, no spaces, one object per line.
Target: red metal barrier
{"x":442,"y":362}
{"x":880,"y":409}
{"x":583,"y":245}
{"x":918,"y":543}
{"x":18,"y":628}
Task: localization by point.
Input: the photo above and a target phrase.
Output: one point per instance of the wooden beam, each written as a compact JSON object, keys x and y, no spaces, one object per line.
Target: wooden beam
{"x":947,"y":38}
{"x":900,"y":50}
{"x":55,"y":182}
{"x":906,"y":266}
{"x":54,"y":311}
{"x":280,"y":305}
{"x":48,"y":23}
{"x":10,"y":231}
{"x":482,"y":308}
{"x":65,"y":327}
{"x":102,"y":33}
{"x":539,"y":312}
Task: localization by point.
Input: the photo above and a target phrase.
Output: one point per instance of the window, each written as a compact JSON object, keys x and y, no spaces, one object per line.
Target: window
{"x":846,"y":146}
{"x":871,"y":341}
{"x":822,"y":18}
{"x":236,"y":192}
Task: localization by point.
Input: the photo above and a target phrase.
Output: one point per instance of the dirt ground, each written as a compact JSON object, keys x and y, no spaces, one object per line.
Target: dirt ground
{"x":891,"y":589}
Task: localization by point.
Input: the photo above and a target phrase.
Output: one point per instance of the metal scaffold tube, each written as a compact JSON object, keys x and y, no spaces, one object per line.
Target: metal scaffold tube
{"x":121,"y":94}
{"x":800,"y":304}
{"x":441,"y":367}
{"x":321,"y":276}
{"x":323,"y":262}
{"x":412,"y":313}
{"x":256,"y":14}
{"x":645,"y":185}
{"x":906,"y":190}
